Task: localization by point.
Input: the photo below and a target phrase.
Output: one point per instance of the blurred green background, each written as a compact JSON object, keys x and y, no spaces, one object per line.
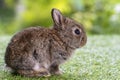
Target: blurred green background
{"x":98,"y":16}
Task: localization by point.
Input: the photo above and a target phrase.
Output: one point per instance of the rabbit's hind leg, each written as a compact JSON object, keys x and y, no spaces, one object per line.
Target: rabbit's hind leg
{"x":36,"y":71}
{"x":32,"y":73}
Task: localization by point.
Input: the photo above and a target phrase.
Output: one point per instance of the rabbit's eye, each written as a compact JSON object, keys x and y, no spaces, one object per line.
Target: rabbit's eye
{"x":77,"y":31}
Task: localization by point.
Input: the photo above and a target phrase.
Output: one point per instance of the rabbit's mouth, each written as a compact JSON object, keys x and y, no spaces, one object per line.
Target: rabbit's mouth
{"x":83,"y":41}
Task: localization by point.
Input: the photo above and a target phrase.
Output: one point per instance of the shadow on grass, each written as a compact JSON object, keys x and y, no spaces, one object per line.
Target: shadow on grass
{"x":8,"y":76}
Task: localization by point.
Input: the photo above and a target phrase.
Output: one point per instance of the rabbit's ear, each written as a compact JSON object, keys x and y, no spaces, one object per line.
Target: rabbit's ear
{"x":57,"y":16}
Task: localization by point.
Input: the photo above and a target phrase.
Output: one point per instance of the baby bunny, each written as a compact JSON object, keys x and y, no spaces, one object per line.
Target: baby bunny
{"x":37,"y":51}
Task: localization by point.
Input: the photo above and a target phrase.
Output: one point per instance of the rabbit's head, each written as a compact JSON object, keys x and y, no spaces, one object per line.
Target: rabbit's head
{"x":71,"y":32}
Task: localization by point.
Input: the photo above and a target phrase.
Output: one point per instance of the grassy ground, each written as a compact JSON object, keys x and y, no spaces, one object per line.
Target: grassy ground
{"x":98,"y":60}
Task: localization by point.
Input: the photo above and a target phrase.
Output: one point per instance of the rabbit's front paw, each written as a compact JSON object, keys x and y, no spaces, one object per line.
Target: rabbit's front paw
{"x":54,"y":69}
{"x":58,"y":72}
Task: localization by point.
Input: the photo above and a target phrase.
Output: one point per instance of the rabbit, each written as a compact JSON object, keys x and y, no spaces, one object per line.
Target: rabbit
{"x":38,"y":52}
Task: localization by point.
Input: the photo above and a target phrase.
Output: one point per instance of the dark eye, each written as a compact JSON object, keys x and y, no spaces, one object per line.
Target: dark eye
{"x":77,"y":31}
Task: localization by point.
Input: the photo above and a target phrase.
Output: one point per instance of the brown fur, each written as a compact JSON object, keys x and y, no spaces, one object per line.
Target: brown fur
{"x":39,"y":51}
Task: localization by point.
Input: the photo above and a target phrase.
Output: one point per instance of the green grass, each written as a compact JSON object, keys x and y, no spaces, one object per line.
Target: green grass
{"x":98,"y":60}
